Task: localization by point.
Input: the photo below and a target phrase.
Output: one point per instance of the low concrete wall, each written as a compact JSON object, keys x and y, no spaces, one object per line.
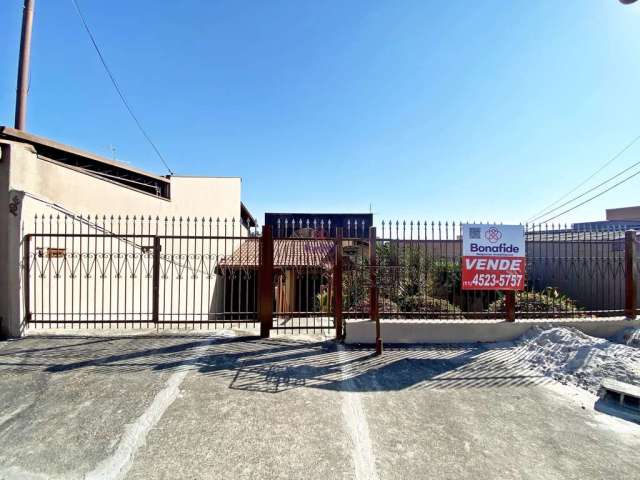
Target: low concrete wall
{"x":472,"y":331}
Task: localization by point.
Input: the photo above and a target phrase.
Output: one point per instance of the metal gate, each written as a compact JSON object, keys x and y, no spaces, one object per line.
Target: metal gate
{"x":172,"y":274}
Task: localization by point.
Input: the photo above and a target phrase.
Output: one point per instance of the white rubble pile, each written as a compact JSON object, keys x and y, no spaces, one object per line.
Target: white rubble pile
{"x":570,"y":356}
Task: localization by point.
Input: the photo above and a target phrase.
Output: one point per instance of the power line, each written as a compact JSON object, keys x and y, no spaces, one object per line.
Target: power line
{"x":594,"y":197}
{"x":588,"y":191}
{"x":117,"y":87}
{"x":545,"y":211}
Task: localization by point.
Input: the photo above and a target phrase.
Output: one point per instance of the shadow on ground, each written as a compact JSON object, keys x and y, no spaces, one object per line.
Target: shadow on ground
{"x":274,"y":365}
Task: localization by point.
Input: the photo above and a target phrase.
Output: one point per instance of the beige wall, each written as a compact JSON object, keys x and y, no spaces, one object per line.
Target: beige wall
{"x":81,"y":193}
{"x":44,"y":187}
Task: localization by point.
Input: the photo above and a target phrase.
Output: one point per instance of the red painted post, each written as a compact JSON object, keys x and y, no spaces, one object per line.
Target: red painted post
{"x":265,"y":283}
{"x":373,"y":289}
{"x":510,"y":305}
{"x":630,"y":293}
{"x":337,"y":286}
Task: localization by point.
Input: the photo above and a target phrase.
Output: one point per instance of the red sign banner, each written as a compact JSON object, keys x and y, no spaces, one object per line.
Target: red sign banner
{"x":493,"y":273}
{"x":493,"y":257}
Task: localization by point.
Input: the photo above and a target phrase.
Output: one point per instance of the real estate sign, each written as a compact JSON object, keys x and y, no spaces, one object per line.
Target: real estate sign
{"x":493,"y":257}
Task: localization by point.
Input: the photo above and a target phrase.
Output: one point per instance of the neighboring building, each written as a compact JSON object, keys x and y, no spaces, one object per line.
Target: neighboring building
{"x":319,"y":225}
{"x":625,"y":213}
{"x":626,"y":218}
{"x":42,"y":177}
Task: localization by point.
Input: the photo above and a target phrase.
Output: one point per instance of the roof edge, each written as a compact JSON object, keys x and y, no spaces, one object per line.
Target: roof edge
{"x":36,"y":141}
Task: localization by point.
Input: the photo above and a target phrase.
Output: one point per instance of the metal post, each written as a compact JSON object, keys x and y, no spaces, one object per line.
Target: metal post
{"x":23,"y":65}
{"x":337,"y":286}
{"x":155,"y":315}
{"x":630,"y":293}
{"x":510,"y":305}
{"x":265,"y":283}
{"x":373,"y":289}
{"x":26,"y":276}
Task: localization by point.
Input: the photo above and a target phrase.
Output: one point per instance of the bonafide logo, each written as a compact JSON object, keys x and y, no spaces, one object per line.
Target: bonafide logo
{"x":502,"y":248}
{"x":493,"y":234}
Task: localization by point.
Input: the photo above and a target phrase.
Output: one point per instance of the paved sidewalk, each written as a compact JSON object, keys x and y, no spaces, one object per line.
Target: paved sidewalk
{"x":227,"y":406}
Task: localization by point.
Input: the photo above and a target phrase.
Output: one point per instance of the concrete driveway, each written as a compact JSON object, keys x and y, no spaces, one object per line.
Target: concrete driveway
{"x":228,"y":406}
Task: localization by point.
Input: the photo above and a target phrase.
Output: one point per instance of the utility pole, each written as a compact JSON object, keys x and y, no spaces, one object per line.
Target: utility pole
{"x":23,"y":65}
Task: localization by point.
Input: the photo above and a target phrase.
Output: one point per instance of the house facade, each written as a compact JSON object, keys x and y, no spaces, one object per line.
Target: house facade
{"x":40,"y":178}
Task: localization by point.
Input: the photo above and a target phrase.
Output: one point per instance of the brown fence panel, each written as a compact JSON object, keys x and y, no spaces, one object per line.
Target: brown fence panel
{"x":140,"y":272}
{"x":303,"y":294}
{"x":570,"y":273}
{"x":173,"y":273}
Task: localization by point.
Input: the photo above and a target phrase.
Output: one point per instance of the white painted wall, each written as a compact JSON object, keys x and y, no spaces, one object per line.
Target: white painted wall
{"x":85,"y":194}
{"x":472,"y":331}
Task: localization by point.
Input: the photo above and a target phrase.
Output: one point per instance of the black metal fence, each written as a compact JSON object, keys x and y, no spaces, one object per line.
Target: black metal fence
{"x":168,"y":273}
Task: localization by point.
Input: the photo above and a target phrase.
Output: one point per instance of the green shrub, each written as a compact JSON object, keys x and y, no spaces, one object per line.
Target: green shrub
{"x":445,"y":277}
{"x":429,"y":306}
{"x":549,"y":300}
{"x":415,"y":306}
{"x":384,"y":305}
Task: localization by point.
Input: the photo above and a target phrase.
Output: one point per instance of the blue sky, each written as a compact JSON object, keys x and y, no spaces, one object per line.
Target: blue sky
{"x":458,"y":110}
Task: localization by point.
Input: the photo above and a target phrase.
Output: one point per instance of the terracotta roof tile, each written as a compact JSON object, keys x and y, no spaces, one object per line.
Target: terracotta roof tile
{"x":287,"y":253}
